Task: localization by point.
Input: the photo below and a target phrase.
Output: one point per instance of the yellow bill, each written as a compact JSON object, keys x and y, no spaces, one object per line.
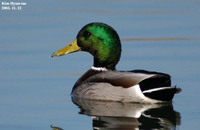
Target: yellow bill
{"x":72,"y":47}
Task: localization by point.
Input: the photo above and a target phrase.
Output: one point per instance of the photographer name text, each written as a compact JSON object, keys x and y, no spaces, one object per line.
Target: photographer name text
{"x":12,"y":5}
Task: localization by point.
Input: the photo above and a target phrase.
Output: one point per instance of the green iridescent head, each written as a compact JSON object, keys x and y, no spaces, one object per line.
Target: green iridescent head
{"x":100,"y":40}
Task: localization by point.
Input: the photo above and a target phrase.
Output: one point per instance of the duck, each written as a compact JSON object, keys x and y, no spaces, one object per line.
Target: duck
{"x":103,"y":81}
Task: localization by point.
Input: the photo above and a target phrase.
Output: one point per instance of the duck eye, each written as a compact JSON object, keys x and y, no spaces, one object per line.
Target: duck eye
{"x":87,"y":34}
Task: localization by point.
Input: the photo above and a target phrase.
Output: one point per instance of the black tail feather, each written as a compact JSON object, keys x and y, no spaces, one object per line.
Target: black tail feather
{"x":163,"y":94}
{"x":155,"y":82}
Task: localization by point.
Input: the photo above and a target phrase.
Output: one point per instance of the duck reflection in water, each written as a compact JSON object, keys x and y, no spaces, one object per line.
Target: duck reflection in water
{"x":129,"y":116}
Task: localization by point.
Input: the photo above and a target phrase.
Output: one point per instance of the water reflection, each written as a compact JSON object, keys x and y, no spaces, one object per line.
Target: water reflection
{"x":55,"y":128}
{"x":117,"y":115}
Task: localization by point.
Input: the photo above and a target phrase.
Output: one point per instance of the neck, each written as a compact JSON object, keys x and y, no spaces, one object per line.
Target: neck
{"x":103,"y":64}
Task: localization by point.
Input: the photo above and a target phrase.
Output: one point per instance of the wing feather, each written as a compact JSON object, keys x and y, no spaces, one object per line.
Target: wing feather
{"x":120,"y":78}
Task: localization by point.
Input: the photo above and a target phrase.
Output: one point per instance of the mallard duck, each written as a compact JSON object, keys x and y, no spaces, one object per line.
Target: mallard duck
{"x":103,"y":82}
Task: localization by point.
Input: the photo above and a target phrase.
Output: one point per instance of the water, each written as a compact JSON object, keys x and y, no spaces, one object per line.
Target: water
{"x":156,"y":35}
